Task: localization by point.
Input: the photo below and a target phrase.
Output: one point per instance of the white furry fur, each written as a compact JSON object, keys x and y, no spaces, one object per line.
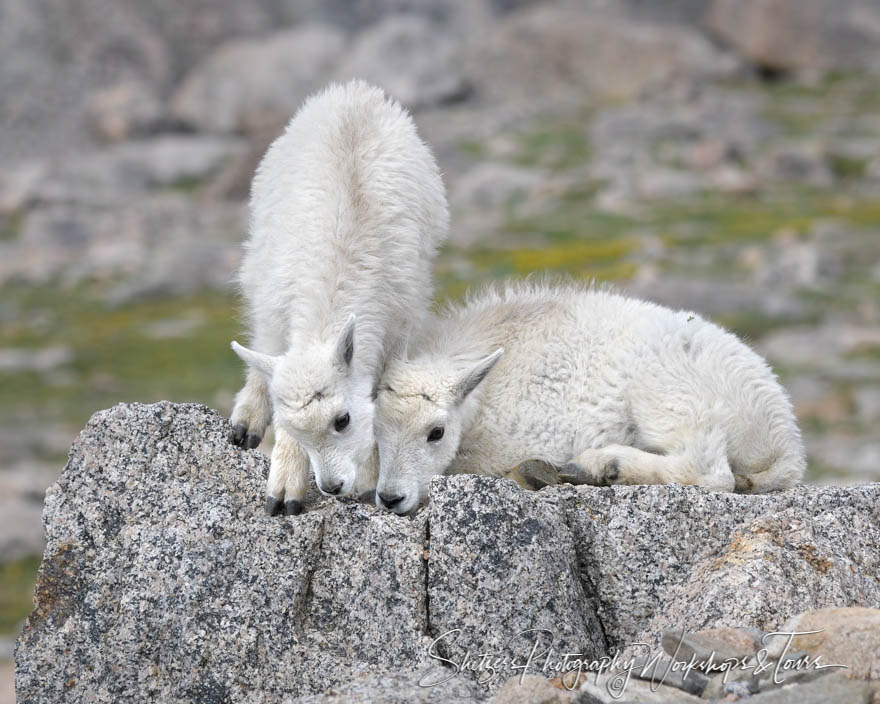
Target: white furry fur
{"x":609,"y":389}
{"x":347,"y":211}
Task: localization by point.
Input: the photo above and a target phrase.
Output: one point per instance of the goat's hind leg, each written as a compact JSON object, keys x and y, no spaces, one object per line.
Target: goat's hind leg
{"x":288,"y":476}
{"x":702,"y":462}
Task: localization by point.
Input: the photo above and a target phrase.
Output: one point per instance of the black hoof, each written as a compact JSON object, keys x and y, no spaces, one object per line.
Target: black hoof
{"x":239,"y":431}
{"x":538,"y":473}
{"x":368,"y":497}
{"x":252,"y":441}
{"x":293,"y":507}
{"x":573,"y":473}
{"x":273,"y":506}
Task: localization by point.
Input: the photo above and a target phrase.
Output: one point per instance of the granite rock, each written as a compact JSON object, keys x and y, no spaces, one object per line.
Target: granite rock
{"x":845,"y":636}
{"x":721,"y":643}
{"x":686,"y":558}
{"x":494,"y":545}
{"x":833,"y":688}
{"x":533,"y":688}
{"x":163,"y":580}
{"x":395,"y":688}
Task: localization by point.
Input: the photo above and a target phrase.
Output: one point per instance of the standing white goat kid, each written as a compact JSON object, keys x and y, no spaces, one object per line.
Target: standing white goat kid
{"x":608,"y":389}
{"x":347,"y":211}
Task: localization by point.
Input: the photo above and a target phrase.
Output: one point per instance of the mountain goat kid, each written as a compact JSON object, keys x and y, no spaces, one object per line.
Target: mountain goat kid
{"x":347,"y":210}
{"x":605,"y":388}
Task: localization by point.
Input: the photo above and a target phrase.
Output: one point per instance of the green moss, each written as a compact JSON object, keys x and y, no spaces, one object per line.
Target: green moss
{"x":601,"y":261}
{"x":716,"y":219}
{"x":10,"y":226}
{"x":800,"y":109}
{"x":16,"y":592}
{"x":847,"y":167}
{"x":574,"y":217}
{"x":472,"y":148}
{"x":713,"y":219}
{"x":867,"y":352}
{"x":555,"y":146}
{"x":186,"y":184}
{"x":571,"y":257}
{"x":794,"y":123}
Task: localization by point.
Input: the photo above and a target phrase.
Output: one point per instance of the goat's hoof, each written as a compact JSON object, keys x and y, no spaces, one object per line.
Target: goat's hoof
{"x":612,"y":472}
{"x":252,"y":441}
{"x":273,"y":506}
{"x":538,"y":473}
{"x":292,"y":507}
{"x":368,"y":497}
{"x":238,"y":433}
{"x":573,"y":473}
{"x":599,"y":471}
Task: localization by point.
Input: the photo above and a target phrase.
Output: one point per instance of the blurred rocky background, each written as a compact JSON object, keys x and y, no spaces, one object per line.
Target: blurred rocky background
{"x":717,"y":155}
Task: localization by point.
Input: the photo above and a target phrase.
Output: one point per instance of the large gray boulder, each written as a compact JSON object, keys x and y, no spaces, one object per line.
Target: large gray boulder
{"x":801,"y":35}
{"x":164,"y":243}
{"x":414,"y":60}
{"x":250,"y":85}
{"x":58,"y":58}
{"x":163,"y":580}
{"x":547,"y":52}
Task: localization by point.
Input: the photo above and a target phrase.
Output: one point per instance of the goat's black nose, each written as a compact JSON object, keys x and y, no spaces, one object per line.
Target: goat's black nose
{"x":333,"y":488}
{"x":390,"y":500}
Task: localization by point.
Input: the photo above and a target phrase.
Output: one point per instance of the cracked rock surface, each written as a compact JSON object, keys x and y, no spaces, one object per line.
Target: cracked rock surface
{"x":163,"y":580}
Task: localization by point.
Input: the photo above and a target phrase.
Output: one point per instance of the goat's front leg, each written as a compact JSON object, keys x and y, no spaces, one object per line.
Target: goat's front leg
{"x":288,"y":476}
{"x":252,"y":412}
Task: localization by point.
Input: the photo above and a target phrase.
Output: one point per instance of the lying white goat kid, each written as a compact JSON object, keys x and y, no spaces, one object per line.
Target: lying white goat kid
{"x":606,"y":388}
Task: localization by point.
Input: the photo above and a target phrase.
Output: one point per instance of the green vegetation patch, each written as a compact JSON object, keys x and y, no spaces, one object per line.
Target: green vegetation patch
{"x":554,"y":145}
{"x":186,"y":184}
{"x":16,"y":592}
{"x":114,"y":356}
{"x":803,"y":109}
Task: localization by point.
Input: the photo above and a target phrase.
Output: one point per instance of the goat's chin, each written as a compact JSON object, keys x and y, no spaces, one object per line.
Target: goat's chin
{"x":408,"y":511}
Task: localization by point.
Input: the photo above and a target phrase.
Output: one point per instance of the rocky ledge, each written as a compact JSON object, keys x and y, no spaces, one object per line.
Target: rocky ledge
{"x":163,"y":580}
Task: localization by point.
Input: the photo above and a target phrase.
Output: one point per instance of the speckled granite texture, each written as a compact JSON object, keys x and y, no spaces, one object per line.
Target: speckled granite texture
{"x":163,"y":580}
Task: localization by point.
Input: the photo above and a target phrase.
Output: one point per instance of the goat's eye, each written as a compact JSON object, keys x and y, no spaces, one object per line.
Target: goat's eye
{"x":435,"y":434}
{"x":341,"y":422}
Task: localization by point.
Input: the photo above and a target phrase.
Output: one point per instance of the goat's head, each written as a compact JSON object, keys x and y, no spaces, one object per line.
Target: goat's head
{"x":422,"y":409}
{"x":320,"y":399}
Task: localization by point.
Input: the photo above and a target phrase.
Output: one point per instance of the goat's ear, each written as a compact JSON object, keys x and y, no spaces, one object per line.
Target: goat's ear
{"x":472,"y":379}
{"x":345,"y":345}
{"x":263,"y":363}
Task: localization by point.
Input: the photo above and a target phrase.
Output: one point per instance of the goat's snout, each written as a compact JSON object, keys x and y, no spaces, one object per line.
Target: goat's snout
{"x":389,"y":500}
{"x":332,"y":488}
